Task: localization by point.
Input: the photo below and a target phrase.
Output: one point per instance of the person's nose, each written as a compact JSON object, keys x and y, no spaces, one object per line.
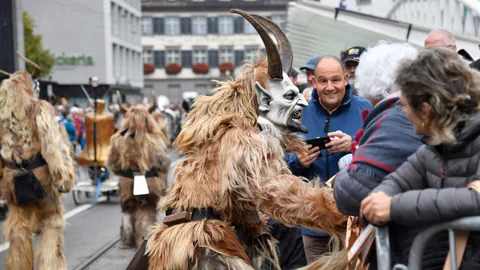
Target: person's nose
{"x":330,"y":85}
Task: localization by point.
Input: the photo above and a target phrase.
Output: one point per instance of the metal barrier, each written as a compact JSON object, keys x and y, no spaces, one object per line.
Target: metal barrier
{"x":382,"y":243}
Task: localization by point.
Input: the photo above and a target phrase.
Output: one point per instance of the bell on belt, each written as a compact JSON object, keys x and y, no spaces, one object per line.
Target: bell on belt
{"x":105,"y":129}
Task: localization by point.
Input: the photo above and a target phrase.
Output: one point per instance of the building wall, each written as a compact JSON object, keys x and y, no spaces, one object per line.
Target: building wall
{"x":91,"y":38}
{"x":172,"y":34}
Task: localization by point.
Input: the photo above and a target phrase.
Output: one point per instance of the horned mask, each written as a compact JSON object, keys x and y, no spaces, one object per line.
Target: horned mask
{"x":136,"y":117}
{"x":32,"y":85}
{"x":279,"y":102}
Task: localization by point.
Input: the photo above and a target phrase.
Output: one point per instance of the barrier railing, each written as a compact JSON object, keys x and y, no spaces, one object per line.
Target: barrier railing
{"x":382,"y":243}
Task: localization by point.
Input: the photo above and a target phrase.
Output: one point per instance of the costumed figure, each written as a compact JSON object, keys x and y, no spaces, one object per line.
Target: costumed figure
{"x":138,"y":150}
{"x":38,"y":168}
{"x":233,"y":174}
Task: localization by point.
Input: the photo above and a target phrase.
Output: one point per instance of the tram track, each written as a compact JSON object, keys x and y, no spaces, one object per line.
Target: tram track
{"x":98,"y":254}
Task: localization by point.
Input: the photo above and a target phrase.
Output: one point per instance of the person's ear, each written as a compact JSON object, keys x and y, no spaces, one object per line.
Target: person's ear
{"x":345,"y":78}
{"x":454,"y":48}
{"x":425,"y":112}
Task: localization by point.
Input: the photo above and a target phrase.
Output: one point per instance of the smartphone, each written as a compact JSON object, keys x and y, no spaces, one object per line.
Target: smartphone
{"x":319,"y":141}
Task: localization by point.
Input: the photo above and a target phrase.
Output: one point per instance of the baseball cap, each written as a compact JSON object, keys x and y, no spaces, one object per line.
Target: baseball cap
{"x":353,"y":54}
{"x":311,"y":63}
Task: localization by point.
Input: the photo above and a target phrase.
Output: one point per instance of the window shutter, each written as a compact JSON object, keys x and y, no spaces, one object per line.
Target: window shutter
{"x":159,"y":59}
{"x":239,"y":57}
{"x":238,"y":25}
{"x":212,"y":25}
{"x":186,"y":25}
{"x":187,"y":59}
{"x":158,"y":26}
{"x":213,"y":58}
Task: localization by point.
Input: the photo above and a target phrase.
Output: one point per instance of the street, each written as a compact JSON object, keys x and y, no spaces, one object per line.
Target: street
{"x":91,"y":231}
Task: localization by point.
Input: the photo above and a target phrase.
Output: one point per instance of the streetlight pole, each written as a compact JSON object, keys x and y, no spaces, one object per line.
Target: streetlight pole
{"x":94,"y":82}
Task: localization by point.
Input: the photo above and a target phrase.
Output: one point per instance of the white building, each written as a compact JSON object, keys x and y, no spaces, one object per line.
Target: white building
{"x":100,"y":38}
{"x":190,"y":32}
{"x":321,"y":27}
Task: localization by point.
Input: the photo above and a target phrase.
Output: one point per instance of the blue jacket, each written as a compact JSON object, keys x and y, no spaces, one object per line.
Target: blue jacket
{"x":70,"y":127}
{"x":347,"y":118}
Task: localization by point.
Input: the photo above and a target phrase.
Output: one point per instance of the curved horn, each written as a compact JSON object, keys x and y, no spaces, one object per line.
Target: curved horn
{"x":4,"y":73}
{"x":284,"y":46}
{"x":154,"y":105}
{"x":274,"y":61}
{"x":119,"y":101}
{"x":36,"y":68}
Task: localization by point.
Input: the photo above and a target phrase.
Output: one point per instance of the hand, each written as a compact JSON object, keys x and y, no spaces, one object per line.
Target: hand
{"x":340,"y":142}
{"x":307,"y":159}
{"x":65,"y":187}
{"x":376,"y":208}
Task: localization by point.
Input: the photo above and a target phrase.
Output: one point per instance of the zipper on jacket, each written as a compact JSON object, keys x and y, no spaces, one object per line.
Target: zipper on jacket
{"x":325,"y":129}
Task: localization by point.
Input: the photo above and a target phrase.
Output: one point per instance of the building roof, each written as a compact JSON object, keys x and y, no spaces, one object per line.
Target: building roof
{"x":212,"y":5}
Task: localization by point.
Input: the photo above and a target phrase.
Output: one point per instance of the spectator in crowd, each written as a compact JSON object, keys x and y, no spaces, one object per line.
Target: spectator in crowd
{"x":441,"y":95}
{"x":309,"y":69}
{"x":332,"y":111}
{"x":350,"y":61}
{"x":387,"y":138}
{"x":440,"y":38}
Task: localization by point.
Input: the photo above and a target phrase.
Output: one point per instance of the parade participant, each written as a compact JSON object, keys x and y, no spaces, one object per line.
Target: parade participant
{"x":138,"y":149}
{"x":38,"y":169}
{"x":233,"y":173}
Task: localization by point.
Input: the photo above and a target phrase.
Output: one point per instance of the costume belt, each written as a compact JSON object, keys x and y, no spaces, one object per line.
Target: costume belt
{"x":131,"y":173}
{"x":197,"y":214}
{"x":29,"y":164}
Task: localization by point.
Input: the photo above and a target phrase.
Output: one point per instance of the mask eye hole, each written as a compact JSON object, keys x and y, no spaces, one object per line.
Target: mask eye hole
{"x":290,"y":95}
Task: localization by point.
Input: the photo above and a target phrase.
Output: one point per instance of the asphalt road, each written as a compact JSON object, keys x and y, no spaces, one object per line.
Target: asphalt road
{"x":89,"y":229}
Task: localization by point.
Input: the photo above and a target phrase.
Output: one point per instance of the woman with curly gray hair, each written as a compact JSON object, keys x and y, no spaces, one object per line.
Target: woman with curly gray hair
{"x":441,"y":95}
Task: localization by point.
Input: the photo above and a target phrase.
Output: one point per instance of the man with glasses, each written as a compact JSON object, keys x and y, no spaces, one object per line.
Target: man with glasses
{"x":440,"y":38}
{"x":335,"y":112}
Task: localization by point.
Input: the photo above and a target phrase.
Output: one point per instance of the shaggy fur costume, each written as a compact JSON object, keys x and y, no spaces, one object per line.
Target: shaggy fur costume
{"x":235,"y":168}
{"x":28,"y":128}
{"x":145,"y":151}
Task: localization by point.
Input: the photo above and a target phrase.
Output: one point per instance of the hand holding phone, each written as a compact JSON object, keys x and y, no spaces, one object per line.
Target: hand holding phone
{"x":320,"y":142}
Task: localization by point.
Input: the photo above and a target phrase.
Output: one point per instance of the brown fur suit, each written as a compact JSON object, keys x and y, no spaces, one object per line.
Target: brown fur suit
{"x":28,"y":127}
{"x":144,"y":152}
{"x":233,"y":167}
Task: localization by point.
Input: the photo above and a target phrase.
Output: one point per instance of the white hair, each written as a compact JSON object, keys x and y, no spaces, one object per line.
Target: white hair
{"x":448,"y":38}
{"x":375,"y":74}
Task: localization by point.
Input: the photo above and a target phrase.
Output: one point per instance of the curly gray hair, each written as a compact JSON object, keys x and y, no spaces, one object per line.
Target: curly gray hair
{"x":440,"y":78}
{"x":377,"y":69}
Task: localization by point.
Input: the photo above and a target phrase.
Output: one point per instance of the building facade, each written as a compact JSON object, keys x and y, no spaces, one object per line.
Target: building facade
{"x":188,"y":43}
{"x":91,"y":38}
{"x":11,"y":31}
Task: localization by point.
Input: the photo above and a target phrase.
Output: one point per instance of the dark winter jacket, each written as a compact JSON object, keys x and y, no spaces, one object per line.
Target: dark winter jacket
{"x":431,"y":188}
{"x":388,"y":140}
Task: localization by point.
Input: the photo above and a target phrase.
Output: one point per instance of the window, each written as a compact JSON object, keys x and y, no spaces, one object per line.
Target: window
{"x":199,"y":56}
{"x":279,"y":20}
{"x":199,"y":25}
{"x":113,"y":10}
{"x":172,"y":26}
{"x":226,"y":55}
{"x":147,"y":25}
{"x":147,"y":56}
{"x":250,"y":54}
{"x":225,"y":25}
{"x":173,"y":56}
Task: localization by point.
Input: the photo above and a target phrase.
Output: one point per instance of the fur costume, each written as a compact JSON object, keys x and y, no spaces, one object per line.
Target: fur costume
{"x":139,"y":145}
{"x":234,"y":143}
{"x":27,"y":129}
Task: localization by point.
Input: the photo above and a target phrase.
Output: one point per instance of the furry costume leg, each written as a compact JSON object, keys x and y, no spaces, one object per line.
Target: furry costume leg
{"x":144,"y":218}
{"x":50,"y":254}
{"x":18,"y":230}
{"x":126,"y":231}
